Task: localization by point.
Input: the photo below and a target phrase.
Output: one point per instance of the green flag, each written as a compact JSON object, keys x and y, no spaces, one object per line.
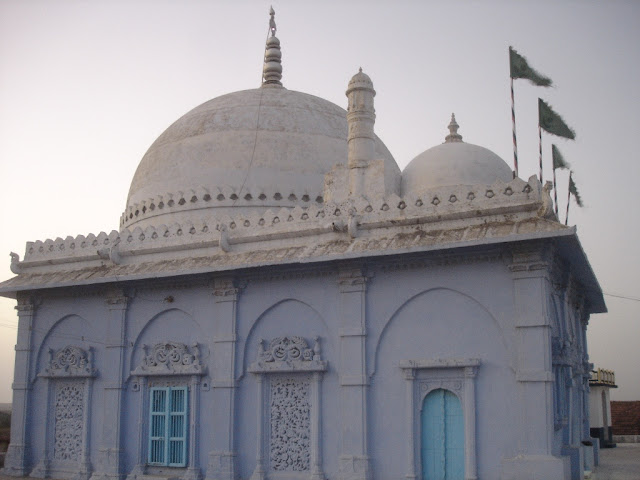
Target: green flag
{"x":558,"y":159}
{"x":519,"y":68}
{"x":573,"y":190}
{"x":553,"y":123}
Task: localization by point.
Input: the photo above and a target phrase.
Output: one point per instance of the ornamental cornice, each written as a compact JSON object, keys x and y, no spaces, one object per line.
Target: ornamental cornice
{"x":531,"y":257}
{"x":350,"y":279}
{"x":28,"y":305}
{"x":227,"y":287}
{"x":420,"y":364}
{"x":430,"y":260}
{"x":357,"y":217}
{"x":117,"y":299}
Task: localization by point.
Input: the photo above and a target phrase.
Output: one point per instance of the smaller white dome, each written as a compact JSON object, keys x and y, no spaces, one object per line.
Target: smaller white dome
{"x":454,"y":163}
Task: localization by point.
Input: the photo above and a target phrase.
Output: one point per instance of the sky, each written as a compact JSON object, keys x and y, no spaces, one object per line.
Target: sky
{"x":87,"y":86}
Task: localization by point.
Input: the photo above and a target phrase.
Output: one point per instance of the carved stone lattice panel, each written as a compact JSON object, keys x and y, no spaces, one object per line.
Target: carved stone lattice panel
{"x":69,"y":413}
{"x":290,"y":423}
{"x":171,"y":358}
{"x":70,"y":361}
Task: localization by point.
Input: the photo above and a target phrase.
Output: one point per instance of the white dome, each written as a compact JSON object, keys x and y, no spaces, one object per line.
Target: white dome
{"x":253,"y":149}
{"x":454,"y":163}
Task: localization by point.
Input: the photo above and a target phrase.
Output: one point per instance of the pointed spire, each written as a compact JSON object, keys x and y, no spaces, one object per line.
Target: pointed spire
{"x":272,"y":70}
{"x":272,"y":22}
{"x":453,"y":136}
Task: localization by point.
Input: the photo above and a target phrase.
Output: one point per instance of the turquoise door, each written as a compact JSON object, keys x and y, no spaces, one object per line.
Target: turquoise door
{"x":442,"y":437}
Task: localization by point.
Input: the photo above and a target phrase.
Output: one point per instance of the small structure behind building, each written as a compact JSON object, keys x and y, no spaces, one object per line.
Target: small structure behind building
{"x":600,"y":406}
{"x":625,"y":418}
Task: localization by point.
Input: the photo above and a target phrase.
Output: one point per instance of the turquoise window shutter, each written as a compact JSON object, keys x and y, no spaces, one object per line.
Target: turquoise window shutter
{"x":177,"y":455}
{"x":158,"y":426}
{"x":168,"y":426}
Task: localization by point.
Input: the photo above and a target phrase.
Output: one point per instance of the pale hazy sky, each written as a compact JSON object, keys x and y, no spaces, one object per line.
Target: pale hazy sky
{"x":87,"y":86}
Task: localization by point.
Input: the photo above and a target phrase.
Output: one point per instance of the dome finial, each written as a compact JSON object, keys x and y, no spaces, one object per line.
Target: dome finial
{"x":272,"y":70}
{"x":272,"y":22}
{"x":453,"y":136}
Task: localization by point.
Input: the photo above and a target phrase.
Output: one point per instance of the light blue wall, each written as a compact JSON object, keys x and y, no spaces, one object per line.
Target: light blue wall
{"x":424,"y":309}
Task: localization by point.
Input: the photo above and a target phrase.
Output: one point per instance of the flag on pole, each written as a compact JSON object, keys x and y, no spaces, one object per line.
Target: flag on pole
{"x":519,"y":68}
{"x":574,"y":191}
{"x":558,"y":163}
{"x":553,"y":123}
{"x":558,"y":159}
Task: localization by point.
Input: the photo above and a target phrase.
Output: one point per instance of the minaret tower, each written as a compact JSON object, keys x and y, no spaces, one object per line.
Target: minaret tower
{"x":361,"y":140}
{"x":272,"y":70}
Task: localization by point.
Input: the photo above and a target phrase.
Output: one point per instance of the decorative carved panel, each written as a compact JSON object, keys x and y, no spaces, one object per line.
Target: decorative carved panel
{"x":69,"y":424}
{"x":290,"y":425}
{"x":289,"y":374}
{"x":70,"y":361}
{"x":170,"y":358}
{"x":288,"y":354}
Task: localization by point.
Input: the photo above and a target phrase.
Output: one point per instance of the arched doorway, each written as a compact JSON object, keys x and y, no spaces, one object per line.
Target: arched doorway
{"x":442,"y":436}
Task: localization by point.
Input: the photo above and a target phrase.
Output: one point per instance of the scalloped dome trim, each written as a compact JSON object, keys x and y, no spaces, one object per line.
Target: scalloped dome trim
{"x":203,"y":198}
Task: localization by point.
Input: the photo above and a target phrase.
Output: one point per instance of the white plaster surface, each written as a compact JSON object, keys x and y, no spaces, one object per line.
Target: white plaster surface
{"x":267,"y":141}
{"x":455,"y":163}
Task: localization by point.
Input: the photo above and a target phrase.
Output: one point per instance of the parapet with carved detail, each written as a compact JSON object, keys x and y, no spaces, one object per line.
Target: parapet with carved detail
{"x":456,"y":212}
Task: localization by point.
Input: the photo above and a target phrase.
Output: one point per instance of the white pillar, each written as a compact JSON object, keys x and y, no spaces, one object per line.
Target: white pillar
{"x":259,"y":472}
{"x":354,"y":381}
{"x":470,"y":423}
{"x":42,"y":469}
{"x":316,"y":428}
{"x":85,"y":462}
{"x":193,"y":471}
{"x":17,"y":454}
{"x":220,"y":406}
{"x":139,"y":469}
{"x":112,"y":371}
{"x":409,"y":376}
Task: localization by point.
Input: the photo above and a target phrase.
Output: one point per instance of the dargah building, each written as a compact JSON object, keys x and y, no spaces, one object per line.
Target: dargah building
{"x":281,"y":301}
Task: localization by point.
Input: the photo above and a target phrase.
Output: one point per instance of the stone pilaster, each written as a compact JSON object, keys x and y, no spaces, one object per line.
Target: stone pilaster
{"x":354,"y":458}
{"x":222,"y":407}
{"x":193,"y":470}
{"x":16,"y":460}
{"x":410,"y":377}
{"x":531,"y":283}
{"x":110,"y":452}
{"x":469,"y":406}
